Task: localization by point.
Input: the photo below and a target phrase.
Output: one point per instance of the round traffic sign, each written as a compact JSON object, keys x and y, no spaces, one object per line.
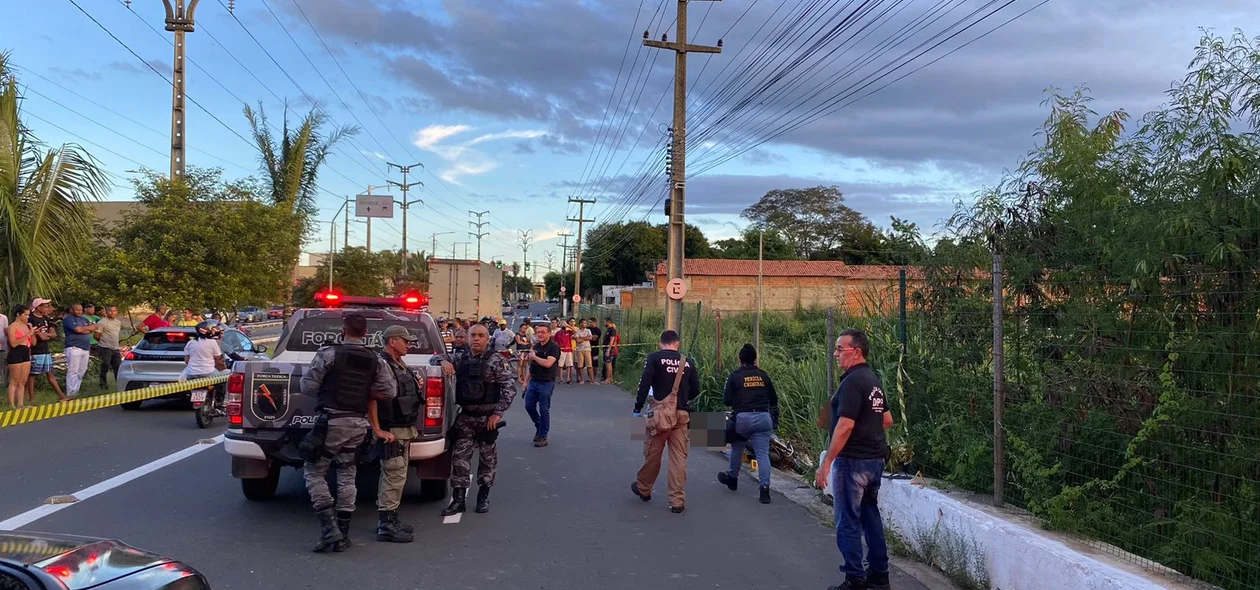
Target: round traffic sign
{"x":577,"y":298}
{"x":676,"y":289}
{"x":563,"y":289}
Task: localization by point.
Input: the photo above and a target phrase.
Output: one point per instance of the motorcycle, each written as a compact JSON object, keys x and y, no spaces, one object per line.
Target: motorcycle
{"x":208,"y":403}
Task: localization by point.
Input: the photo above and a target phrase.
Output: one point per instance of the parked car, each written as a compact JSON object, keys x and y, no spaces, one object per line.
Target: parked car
{"x":159,"y":358}
{"x":249,"y":314}
{"x":276,"y":312}
{"x":522,"y":304}
{"x":41,"y":561}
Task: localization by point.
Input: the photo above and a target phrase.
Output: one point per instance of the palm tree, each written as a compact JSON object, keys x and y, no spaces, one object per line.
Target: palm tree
{"x":292,"y":164}
{"x":44,"y":220}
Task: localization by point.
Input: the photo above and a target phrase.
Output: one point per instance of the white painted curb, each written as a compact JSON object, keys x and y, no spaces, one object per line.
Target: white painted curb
{"x":1015,"y":555}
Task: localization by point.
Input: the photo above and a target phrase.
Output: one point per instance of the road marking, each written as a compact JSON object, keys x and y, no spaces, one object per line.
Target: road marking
{"x":30,"y":516}
{"x":453,"y":519}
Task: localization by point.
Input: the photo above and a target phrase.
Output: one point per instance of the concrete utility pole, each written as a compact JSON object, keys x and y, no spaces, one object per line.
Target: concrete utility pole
{"x":179,"y":20}
{"x":564,"y":268}
{"x":526,"y":236}
{"x":677,"y":222}
{"x":404,"y":203}
{"x":577,"y":265}
{"x":478,"y":224}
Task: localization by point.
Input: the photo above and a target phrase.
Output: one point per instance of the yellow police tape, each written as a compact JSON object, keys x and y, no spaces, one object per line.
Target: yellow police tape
{"x":87,"y":404}
{"x":32,"y":549}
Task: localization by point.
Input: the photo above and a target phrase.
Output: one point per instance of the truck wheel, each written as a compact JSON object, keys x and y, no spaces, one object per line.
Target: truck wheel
{"x":432,"y":490}
{"x":131,"y":406}
{"x":263,"y":488}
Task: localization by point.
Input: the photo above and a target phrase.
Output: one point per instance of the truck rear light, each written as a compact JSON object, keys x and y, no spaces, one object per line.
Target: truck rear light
{"x":434,"y":391}
{"x":235,"y":394}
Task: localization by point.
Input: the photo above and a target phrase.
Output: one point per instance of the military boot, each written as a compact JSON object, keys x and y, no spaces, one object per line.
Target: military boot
{"x":400,"y":524}
{"x":458,"y":496}
{"x":483,"y":499}
{"x":329,"y":535}
{"x":343,"y":524}
{"x":388,"y":529}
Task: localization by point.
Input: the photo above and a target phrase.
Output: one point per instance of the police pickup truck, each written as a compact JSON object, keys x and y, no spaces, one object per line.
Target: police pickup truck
{"x":268,"y":415}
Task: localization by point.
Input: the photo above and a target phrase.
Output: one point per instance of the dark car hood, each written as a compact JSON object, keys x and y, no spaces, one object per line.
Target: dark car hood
{"x":81,"y":562}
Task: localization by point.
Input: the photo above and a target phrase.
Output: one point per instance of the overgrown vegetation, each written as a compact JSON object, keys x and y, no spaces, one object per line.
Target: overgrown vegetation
{"x":1132,"y":409}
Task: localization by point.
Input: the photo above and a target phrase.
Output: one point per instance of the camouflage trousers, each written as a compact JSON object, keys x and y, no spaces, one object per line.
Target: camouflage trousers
{"x":341,"y":447}
{"x":469,"y":431}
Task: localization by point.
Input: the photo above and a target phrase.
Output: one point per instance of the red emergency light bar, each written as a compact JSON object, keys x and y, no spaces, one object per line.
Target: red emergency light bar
{"x":408,"y":301}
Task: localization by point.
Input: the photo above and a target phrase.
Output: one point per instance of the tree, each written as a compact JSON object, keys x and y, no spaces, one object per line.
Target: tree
{"x":551,"y":281}
{"x":201,"y":242}
{"x":811,"y":219}
{"x":44,"y":220}
{"x":626,"y":253}
{"x":514,"y":286}
{"x":292,"y":163}
{"x":774,"y":246}
{"x":355,"y":272}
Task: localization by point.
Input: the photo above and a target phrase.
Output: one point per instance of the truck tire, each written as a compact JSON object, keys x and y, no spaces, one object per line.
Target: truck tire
{"x":432,"y":490}
{"x":263,"y":488}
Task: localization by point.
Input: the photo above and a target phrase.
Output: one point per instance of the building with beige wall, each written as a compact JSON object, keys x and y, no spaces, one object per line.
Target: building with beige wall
{"x":785,"y":285}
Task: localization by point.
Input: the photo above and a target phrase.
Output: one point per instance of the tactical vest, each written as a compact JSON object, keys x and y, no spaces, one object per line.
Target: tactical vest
{"x":405,"y":408}
{"x":348,"y":382}
{"x":471,"y":388}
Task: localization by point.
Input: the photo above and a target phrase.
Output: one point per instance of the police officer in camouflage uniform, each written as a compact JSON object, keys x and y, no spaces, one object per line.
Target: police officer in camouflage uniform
{"x":347,"y":378}
{"x":485,"y":384}
{"x":394,"y":424}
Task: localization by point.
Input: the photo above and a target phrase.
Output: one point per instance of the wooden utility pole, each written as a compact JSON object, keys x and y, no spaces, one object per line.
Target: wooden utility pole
{"x":405,"y":186}
{"x":677,"y":221}
{"x":577,"y":264}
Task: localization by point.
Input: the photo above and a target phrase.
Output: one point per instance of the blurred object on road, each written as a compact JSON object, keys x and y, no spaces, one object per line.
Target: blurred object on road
{"x":42,"y":560}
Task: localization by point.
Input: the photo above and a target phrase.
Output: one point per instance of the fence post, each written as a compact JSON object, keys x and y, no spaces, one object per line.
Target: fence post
{"x":999,"y":377}
{"x":695,"y":332}
{"x":757,"y":331}
{"x":902,"y":305}
{"x":718,"y":353}
{"x":831,"y":350}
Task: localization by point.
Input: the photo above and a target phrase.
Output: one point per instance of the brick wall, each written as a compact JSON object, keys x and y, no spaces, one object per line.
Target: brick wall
{"x":856,"y":296}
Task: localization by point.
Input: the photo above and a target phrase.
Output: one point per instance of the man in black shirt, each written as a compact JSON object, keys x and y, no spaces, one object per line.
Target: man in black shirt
{"x":543,"y":369}
{"x":855,"y":463}
{"x":595,"y":349}
{"x":45,"y":328}
{"x":659,"y":375}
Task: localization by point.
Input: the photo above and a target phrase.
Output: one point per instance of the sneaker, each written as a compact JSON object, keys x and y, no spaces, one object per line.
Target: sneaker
{"x":541,"y":442}
{"x":726,"y":479}
{"x":765,"y":494}
{"x":634,"y":487}
{"x":676,"y":509}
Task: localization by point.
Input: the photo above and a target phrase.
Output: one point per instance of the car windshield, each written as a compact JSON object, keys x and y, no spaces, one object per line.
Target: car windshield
{"x":172,"y":341}
{"x":313,"y":332}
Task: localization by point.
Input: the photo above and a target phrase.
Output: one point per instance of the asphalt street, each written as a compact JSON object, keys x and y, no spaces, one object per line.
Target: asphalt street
{"x":561,"y":516}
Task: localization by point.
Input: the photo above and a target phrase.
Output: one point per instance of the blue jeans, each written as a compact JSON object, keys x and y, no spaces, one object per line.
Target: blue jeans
{"x":757,"y":427}
{"x":538,"y":405}
{"x":855,"y":486}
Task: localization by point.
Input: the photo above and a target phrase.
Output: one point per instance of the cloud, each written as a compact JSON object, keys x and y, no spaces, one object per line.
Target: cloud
{"x":465,"y":161}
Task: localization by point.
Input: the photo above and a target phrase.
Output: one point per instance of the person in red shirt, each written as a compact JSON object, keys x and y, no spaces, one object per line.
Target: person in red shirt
{"x":564,"y":338}
{"x":156,"y":320}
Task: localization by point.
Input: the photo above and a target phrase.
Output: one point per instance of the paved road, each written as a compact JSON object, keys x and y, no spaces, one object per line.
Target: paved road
{"x":562,"y":516}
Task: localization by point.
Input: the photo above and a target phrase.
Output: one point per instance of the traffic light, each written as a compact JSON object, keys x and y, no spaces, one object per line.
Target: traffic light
{"x":526,"y":267}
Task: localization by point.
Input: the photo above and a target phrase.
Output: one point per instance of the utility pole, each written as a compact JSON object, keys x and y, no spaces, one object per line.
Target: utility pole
{"x":179,"y":20}
{"x":404,"y":203}
{"x":526,"y":236}
{"x":564,"y":269}
{"x":478,"y":224}
{"x":550,"y":256}
{"x":346,"y":241}
{"x":677,"y":221}
{"x":577,"y":265}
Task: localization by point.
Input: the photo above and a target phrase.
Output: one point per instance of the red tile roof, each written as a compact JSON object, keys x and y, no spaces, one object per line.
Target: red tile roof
{"x":789,"y":268}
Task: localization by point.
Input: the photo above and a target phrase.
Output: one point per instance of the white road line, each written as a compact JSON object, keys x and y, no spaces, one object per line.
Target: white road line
{"x":46,"y":509}
{"x":452,"y":519}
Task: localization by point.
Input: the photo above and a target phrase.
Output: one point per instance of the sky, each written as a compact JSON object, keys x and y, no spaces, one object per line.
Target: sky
{"x":517,"y":106}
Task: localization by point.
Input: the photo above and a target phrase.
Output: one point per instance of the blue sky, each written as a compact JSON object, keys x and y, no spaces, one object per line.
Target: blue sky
{"x":506,"y":102}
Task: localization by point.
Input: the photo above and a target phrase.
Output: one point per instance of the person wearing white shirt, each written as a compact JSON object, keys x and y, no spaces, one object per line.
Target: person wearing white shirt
{"x":203,"y":356}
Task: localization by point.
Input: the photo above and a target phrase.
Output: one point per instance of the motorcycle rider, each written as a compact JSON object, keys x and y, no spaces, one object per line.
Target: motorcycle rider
{"x":485,"y":384}
{"x":202,"y":356}
{"x":394,"y":424}
{"x":347,"y":378}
